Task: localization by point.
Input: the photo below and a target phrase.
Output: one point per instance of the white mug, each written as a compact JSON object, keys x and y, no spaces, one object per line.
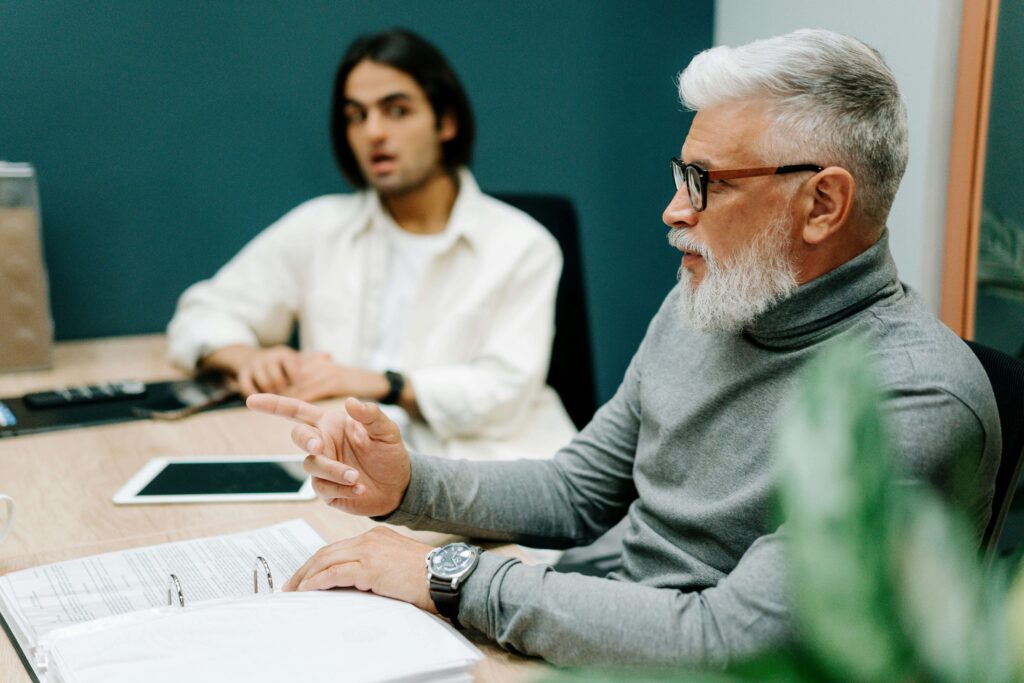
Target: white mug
{"x":8,"y":517}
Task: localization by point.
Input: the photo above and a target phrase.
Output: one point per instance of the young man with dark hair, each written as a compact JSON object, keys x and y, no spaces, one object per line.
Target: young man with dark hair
{"x":418,"y":291}
{"x":412,"y":55}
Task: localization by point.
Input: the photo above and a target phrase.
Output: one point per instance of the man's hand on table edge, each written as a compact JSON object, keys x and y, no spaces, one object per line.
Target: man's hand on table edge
{"x":381,"y":561}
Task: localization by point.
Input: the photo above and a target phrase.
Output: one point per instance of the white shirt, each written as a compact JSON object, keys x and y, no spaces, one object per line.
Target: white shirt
{"x":410,"y":254}
{"x":476,"y":340}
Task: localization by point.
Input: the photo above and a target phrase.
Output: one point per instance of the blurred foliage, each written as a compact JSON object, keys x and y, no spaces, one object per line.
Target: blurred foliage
{"x":887,"y":582}
{"x":1001,"y":256}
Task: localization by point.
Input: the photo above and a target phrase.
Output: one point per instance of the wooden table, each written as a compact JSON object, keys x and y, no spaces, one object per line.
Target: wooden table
{"x":63,"y":481}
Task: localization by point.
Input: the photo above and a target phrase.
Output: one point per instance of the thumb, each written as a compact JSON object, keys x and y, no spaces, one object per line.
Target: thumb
{"x":378,"y":426}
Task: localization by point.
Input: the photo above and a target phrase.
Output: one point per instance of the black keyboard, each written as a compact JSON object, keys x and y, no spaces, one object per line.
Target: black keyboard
{"x":62,"y":397}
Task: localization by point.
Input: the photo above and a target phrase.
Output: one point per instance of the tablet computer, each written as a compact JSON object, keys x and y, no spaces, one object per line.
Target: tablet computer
{"x":218,"y":479}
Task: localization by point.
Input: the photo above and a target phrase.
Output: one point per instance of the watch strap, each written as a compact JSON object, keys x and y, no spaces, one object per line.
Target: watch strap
{"x":396,"y":382}
{"x":446,"y":591}
{"x":446,"y":600}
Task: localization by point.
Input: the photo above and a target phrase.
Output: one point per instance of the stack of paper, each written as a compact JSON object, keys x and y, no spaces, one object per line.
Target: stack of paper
{"x":105,"y":618}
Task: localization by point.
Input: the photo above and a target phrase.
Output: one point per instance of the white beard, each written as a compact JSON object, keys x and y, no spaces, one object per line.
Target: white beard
{"x":732,"y":294}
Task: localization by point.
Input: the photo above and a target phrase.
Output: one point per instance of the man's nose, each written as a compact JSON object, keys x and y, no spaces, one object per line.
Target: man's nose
{"x":679,"y":213}
{"x":376,"y":128}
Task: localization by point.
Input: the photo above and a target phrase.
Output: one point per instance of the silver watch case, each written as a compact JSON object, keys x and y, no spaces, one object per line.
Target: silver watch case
{"x":452,"y":562}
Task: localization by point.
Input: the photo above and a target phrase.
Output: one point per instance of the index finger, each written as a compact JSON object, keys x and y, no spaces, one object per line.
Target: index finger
{"x":291,"y":408}
{"x":301,"y":572}
{"x":318,"y":560}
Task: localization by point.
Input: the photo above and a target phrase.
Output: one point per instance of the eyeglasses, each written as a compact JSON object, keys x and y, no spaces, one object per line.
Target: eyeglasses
{"x":696,"y":179}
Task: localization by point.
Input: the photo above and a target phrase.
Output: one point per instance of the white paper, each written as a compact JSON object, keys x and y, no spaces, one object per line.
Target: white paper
{"x":44,"y":598}
{"x":316,"y":636}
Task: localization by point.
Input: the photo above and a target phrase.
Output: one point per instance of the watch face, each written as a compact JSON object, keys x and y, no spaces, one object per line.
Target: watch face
{"x":451,"y":560}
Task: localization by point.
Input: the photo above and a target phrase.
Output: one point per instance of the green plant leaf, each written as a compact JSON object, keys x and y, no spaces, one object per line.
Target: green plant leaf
{"x":771,"y":667}
{"x":835,"y":490}
{"x":1001,"y":256}
{"x":952,"y":609}
{"x":1015,"y":620}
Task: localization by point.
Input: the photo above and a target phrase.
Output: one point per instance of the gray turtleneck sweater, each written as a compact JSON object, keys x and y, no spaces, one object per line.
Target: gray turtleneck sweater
{"x":683,"y":450}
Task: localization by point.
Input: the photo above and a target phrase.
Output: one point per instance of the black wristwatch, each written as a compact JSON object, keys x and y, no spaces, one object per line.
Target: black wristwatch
{"x":447,"y":568}
{"x":396,"y":382}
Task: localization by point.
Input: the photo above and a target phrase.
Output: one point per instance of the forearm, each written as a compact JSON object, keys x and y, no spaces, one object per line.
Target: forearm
{"x":375,"y":386}
{"x":407,"y":400}
{"x":196,"y":330}
{"x":566,"y":501}
{"x":519,"y":501}
{"x":571,"y":619}
{"x":229,"y":359}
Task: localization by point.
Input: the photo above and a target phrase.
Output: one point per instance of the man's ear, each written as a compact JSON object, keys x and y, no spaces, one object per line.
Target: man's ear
{"x":829,"y":195}
{"x":448,"y":126}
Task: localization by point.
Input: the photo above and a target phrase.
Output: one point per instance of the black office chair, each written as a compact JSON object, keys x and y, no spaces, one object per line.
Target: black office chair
{"x":572,"y":367}
{"x":1006,"y":374}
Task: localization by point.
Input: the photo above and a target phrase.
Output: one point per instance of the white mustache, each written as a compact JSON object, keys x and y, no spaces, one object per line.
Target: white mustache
{"x":680,"y":238}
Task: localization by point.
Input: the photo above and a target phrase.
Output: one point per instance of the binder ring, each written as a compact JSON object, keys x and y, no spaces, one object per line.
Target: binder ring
{"x":260,"y":560}
{"x":176,"y":585}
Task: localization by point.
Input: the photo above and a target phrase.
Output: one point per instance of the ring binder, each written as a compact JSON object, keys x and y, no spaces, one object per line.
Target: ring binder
{"x":227,"y":632}
{"x":177,"y":586}
{"x":256,"y":575}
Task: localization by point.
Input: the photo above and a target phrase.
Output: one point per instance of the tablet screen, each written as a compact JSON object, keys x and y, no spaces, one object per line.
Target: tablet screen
{"x":227,"y":478}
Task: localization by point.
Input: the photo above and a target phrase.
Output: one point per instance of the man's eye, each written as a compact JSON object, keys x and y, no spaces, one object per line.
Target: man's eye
{"x":396,"y":111}
{"x":717,"y":185}
{"x":355,"y":115}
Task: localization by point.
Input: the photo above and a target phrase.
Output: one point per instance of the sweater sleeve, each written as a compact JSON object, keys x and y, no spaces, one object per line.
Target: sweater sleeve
{"x":569,"y":619}
{"x":559,"y":503}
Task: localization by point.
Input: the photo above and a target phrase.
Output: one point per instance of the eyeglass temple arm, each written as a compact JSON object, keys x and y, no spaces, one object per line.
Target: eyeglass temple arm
{"x":764,"y":170}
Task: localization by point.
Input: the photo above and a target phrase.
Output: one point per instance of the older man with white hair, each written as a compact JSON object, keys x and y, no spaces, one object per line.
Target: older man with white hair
{"x":783,"y":187}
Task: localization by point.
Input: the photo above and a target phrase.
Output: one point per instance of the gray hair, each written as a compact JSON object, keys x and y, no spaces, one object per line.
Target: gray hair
{"x":834,"y":99}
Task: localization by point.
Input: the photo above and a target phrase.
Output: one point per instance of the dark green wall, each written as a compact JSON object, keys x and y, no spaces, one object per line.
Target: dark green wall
{"x":999,"y":319}
{"x":167,"y":134}
{"x":1004,"y":158}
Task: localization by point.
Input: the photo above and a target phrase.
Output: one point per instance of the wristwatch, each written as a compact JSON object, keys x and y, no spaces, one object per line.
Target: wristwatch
{"x":447,"y":568}
{"x":396,"y":382}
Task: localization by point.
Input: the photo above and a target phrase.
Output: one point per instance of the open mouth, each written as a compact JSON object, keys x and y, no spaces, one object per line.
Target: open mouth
{"x":692,"y":251}
{"x":382,"y":162}
{"x":691,"y":258}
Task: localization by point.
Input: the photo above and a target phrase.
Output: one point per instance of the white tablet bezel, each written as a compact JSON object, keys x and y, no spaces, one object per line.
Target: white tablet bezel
{"x":128,"y":494}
